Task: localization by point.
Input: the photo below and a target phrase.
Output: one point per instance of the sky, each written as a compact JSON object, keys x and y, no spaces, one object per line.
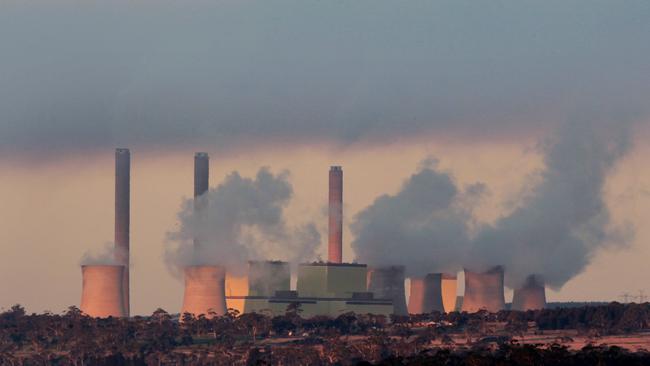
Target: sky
{"x":374,"y":86}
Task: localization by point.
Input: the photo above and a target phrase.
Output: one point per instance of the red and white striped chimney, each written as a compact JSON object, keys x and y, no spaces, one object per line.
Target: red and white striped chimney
{"x":335,"y":248}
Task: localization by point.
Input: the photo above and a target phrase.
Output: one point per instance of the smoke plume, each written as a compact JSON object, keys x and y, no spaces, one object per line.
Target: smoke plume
{"x":241,"y":219}
{"x":553,"y":232}
{"x":424,"y":227}
{"x":564,"y":220}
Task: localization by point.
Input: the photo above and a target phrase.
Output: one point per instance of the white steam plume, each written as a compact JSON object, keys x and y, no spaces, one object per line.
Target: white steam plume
{"x":242,"y":219}
{"x":106,"y":256}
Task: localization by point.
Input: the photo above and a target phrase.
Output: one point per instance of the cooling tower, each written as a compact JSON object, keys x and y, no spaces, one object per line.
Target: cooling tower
{"x":388,"y":283}
{"x":102,"y":292}
{"x":267,"y":277}
{"x":449,"y":285}
{"x":204,"y":290}
{"x":426,"y":294}
{"x":531,"y":296}
{"x":335,"y":248}
{"x":484,"y":291}
{"x":122,"y":217}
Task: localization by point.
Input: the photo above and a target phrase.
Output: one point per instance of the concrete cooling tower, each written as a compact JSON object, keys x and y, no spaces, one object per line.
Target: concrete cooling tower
{"x":102,"y":292}
{"x":204,"y":290}
{"x":267,"y":277}
{"x":426,"y":294}
{"x":531,"y":296}
{"x":388,"y":283}
{"x":449,"y":285}
{"x":484,"y":291}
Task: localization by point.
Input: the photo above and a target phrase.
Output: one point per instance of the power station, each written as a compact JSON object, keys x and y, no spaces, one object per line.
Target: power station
{"x":322,"y":288}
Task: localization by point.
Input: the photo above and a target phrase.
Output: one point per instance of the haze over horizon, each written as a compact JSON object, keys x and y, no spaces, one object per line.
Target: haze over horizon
{"x":374,"y":86}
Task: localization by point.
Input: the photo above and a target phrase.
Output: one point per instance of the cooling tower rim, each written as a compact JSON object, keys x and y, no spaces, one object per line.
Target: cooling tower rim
{"x":122,"y":150}
{"x":449,"y":276}
{"x":197,"y":266}
{"x":103,"y":266}
{"x":267,"y":262}
{"x":490,"y":270}
{"x":336,"y":168}
{"x":330,"y":264}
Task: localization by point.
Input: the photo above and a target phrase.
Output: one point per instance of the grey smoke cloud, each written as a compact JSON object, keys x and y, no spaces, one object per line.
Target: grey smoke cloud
{"x":564,"y":220}
{"x":553,"y":232}
{"x":241,"y":219}
{"x":88,"y":75}
{"x":425,"y":226}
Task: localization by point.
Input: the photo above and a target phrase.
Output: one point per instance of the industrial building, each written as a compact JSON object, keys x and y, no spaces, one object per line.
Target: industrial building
{"x":330,"y":288}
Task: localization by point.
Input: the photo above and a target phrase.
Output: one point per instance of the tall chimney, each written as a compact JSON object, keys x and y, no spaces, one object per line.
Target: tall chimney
{"x":201,"y":183}
{"x":531,"y":296}
{"x":335,"y":215}
{"x":101,"y":291}
{"x":201,"y":173}
{"x":484,"y":291}
{"x":205,"y":291}
{"x":122,"y":218}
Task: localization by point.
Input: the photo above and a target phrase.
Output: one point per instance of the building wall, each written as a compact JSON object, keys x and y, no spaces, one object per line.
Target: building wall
{"x":331,"y":280}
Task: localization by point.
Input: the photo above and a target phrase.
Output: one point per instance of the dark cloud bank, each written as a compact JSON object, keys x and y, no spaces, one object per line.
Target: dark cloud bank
{"x":80,"y":75}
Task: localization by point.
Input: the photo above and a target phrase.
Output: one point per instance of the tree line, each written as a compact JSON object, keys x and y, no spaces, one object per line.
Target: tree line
{"x":72,"y":338}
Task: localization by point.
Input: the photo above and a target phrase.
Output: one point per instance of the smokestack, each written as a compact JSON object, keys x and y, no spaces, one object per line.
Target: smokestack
{"x":335,"y":251}
{"x":388,"y":283}
{"x":449,"y":292}
{"x":426,"y":294}
{"x":201,"y":173}
{"x":204,"y":290}
{"x":122,"y":217}
{"x":531,"y":296}
{"x":102,"y":292}
{"x":484,"y":291}
{"x":201,"y":183}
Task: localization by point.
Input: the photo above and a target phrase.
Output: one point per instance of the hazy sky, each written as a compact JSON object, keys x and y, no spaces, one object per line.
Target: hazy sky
{"x":376,"y":86}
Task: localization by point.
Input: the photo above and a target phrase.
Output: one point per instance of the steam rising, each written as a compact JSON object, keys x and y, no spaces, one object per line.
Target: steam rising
{"x":241,"y":219}
{"x":553,"y":232}
{"x":106,"y":256}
